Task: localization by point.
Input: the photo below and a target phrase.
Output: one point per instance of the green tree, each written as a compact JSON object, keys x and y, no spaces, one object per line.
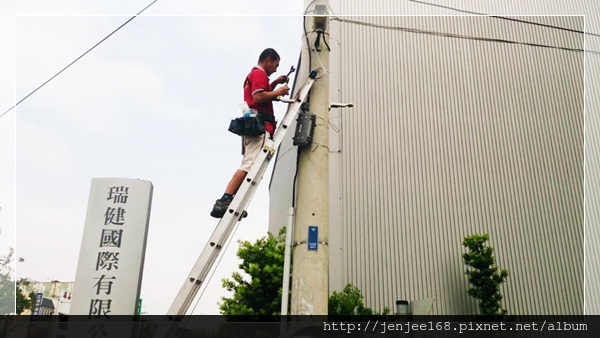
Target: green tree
{"x":484,"y":276}
{"x":7,"y":285}
{"x":260,"y":294}
{"x":23,"y":302}
{"x":350,"y":302}
{"x":262,"y":261}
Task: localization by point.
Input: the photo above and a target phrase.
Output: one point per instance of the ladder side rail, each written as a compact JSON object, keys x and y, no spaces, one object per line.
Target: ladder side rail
{"x":244,"y":195}
{"x":293,"y":109}
{"x":196,"y":277}
{"x":225,"y":226}
{"x":268,"y":150}
{"x":216,"y":242}
{"x":254,"y":176}
{"x":261,"y":163}
{"x":219,"y":237}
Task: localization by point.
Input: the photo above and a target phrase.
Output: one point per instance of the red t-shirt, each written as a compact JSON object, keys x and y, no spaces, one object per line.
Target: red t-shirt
{"x":258,"y":81}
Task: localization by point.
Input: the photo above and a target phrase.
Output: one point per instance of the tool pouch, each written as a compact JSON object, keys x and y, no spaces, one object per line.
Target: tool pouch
{"x":247,"y":126}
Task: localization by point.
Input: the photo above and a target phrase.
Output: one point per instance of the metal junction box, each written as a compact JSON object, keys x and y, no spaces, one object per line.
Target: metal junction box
{"x":305,"y":129}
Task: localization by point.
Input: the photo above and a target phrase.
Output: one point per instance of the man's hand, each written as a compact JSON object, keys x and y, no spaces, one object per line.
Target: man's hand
{"x":281,"y":79}
{"x":283,"y":90}
{"x":262,"y":97}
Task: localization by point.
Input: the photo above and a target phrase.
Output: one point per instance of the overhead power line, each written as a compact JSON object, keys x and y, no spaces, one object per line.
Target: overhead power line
{"x":77,"y":59}
{"x":504,"y":18}
{"x":457,"y":36}
{"x":446,"y":7}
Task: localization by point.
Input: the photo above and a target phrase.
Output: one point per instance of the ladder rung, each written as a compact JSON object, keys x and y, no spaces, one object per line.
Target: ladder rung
{"x":237,"y":208}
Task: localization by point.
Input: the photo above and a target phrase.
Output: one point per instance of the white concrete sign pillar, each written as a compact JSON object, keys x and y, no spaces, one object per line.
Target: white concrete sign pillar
{"x":111,"y":259}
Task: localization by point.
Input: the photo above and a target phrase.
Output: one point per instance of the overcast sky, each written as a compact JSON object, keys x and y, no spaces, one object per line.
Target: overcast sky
{"x":152,"y":102}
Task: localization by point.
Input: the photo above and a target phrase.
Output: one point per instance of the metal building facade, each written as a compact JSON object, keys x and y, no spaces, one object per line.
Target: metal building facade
{"x":452,"y":135}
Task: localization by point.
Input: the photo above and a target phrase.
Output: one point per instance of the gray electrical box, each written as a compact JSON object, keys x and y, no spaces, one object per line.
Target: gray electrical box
{"x":320,"y":10}
{"x":305,"y":129}
{"x":320,"y":17}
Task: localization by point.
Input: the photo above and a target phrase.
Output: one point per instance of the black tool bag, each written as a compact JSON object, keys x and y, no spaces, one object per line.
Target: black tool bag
{"x":247,"y":126}
{"x":250,"y":125}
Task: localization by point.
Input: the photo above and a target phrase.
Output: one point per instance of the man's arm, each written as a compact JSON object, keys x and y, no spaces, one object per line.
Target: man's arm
{"x":279,"y":80}
{"x":262,"y":97}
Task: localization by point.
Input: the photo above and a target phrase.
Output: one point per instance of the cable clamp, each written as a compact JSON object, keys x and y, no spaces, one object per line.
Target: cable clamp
{"x":269,"y":149}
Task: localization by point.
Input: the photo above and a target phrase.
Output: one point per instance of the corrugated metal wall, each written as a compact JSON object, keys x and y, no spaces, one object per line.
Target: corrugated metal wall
{"x":592,"y":173}
{"x":452,"y":136}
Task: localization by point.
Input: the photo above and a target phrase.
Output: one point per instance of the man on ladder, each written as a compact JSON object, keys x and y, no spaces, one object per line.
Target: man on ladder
{"x":249,"y":181}
{"x":259,"y":94}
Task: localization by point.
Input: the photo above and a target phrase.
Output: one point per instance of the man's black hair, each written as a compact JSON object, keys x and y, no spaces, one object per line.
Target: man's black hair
{"x":269,"y":52}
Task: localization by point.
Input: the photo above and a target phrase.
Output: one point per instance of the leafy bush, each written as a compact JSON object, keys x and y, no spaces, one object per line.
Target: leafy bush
{"x":350,"y":302}
{"x":484,"y":276}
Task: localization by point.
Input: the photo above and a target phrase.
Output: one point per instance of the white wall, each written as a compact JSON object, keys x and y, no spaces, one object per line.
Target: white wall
{"x":453,"y":136}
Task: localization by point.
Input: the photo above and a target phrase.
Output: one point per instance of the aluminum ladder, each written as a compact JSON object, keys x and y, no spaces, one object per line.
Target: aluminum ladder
{"x":233,"y":215}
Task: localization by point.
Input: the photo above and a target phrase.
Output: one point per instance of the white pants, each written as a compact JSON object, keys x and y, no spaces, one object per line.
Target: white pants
{"x":252,"y":147}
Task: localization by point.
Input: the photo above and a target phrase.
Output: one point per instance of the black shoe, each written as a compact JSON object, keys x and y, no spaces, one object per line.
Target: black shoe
{"x":220,"y":208}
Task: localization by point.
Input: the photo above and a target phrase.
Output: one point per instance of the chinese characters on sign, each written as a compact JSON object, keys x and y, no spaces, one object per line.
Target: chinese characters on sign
{"x":108,"y":255}
{"x":111,"y":259}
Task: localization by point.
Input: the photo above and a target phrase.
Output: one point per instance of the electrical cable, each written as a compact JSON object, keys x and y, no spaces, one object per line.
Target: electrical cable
{"x":295,"y":181}
{"x":318,"y":39}
{"x":310,"y":50}
{"x":285,"y":153}
{"x":77,"y":59}
{"x":504,"y":18}
{"x":543,"y":25}
{"x":459,"y":36}
{"x":306,"y":11}
{"x":307,"y":44}
{"x":308,"y":6}
{"x":446,"y":7}
{"x":297,"y":67}
{"x":326,"y":44}
{"x":318,"y":36}
{"x":296,"y":178}
{"x":292,"y":91}
{"x":317,"y":145}
{"x":320,"y":33}
{"x":320,"y":63}
{"x":308,"y":96}
{"x":307,"y":100}
{"x":331,"y":125}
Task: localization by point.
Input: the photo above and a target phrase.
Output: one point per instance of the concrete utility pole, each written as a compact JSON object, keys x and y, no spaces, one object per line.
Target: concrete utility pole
{"x":310,"y":272}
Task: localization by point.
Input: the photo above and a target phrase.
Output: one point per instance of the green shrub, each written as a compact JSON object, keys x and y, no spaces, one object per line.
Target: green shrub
{"x":484,"y":276}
